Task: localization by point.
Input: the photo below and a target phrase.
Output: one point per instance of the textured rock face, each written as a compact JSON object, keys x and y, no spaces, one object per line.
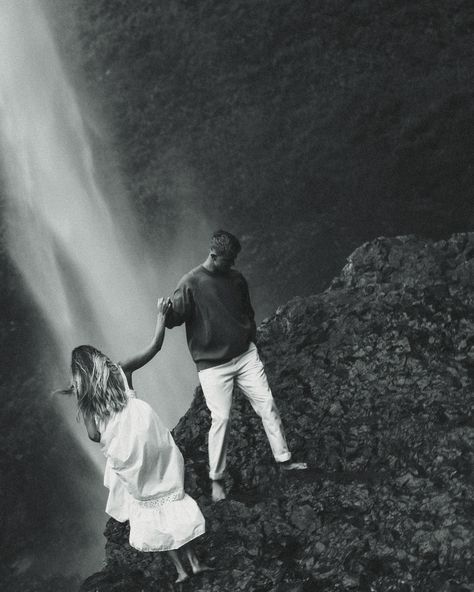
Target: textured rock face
{"x":374,"y":381}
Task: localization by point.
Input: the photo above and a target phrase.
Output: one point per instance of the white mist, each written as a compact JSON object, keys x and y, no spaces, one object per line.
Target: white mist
{"x":79,"y":251}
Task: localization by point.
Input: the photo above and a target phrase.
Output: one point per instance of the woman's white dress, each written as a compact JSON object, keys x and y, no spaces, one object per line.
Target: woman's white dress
{"x":144,"y":474}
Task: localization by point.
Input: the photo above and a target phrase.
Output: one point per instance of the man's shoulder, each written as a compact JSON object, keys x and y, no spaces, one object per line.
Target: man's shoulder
{"x":200,"y":275}
{"x":191,"y":276}
{"x":236,"y":275}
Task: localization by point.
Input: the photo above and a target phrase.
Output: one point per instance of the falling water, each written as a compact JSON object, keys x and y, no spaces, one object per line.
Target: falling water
{"x":78,"y":250}
{"x":87,"y":270}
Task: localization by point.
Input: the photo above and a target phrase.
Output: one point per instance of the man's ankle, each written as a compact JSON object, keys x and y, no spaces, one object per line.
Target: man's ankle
{"x":218,"y":491}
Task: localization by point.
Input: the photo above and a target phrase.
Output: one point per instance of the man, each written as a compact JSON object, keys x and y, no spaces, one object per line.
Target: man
{"x":213,"y":301}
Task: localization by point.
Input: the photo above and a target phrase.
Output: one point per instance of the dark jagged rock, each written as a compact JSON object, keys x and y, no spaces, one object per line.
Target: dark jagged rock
{"x":374,"y":382}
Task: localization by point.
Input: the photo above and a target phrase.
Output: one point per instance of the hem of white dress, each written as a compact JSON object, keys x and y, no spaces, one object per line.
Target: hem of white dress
{"x":148,"y":549}
{"x":120,"y":519}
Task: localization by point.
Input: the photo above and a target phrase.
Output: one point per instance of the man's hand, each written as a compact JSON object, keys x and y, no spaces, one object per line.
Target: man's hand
{"x":163,"y":305}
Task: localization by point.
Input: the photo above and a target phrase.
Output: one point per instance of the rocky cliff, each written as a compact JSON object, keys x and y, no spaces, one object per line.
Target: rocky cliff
{"x":374,"y":381}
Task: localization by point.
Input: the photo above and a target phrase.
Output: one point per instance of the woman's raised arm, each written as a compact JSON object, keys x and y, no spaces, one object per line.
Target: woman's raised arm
{"x":135,"y":362}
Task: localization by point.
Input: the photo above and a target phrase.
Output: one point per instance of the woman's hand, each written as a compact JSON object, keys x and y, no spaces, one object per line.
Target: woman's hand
{"x":163,"y":305}
{"x":91,"y":427}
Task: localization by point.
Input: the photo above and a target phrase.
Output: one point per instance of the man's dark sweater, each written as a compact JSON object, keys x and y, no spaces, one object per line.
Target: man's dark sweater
{"x":220,"y":321}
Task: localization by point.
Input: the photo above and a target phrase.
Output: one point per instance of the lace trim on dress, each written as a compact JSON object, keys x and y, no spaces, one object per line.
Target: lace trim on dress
{"x":160,"y":500}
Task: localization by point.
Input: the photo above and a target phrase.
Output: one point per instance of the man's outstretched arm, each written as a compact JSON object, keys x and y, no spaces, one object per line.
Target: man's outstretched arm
{"x":181,"y":307}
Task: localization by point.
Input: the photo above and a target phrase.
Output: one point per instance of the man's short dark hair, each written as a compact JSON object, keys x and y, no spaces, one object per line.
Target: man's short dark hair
{"x":225,"y":244}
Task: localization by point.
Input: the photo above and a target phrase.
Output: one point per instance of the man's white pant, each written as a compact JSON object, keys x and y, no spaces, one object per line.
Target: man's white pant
{"x":217,"y":383}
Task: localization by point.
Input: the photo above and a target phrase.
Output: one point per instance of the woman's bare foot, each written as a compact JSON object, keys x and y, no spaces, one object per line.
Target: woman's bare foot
{"x":197,"y":569}
{"x":218,"y":491}
{"x":182,"y":577}
{"x":196,"y":565}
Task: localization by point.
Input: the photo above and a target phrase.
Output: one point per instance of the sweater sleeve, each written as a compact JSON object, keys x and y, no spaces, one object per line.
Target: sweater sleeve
{"x":182,"y":305}
{"x":249,"y":309}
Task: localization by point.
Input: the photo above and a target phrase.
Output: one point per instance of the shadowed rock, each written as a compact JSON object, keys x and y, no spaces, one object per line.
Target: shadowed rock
{"x":374,"y":382}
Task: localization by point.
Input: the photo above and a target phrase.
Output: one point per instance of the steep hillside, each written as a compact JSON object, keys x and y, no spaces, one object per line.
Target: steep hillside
{"x":374,"y":380}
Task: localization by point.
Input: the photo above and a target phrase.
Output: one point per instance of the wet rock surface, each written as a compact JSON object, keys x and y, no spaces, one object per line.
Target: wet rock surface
{"x":374,"y":382}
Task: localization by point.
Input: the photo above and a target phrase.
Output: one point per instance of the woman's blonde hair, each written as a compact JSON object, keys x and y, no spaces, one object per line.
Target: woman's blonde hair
{"x":97,"y":383}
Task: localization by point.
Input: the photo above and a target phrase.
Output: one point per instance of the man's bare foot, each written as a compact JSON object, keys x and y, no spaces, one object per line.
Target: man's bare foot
{"x":218,"y":492}
{"x":293,"y":466}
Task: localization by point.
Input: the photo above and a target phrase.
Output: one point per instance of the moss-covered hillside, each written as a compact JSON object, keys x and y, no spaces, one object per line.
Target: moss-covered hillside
{"x":305,"y":126}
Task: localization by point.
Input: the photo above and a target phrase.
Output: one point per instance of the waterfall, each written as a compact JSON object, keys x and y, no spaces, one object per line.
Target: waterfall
{"x":78,"y":249}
